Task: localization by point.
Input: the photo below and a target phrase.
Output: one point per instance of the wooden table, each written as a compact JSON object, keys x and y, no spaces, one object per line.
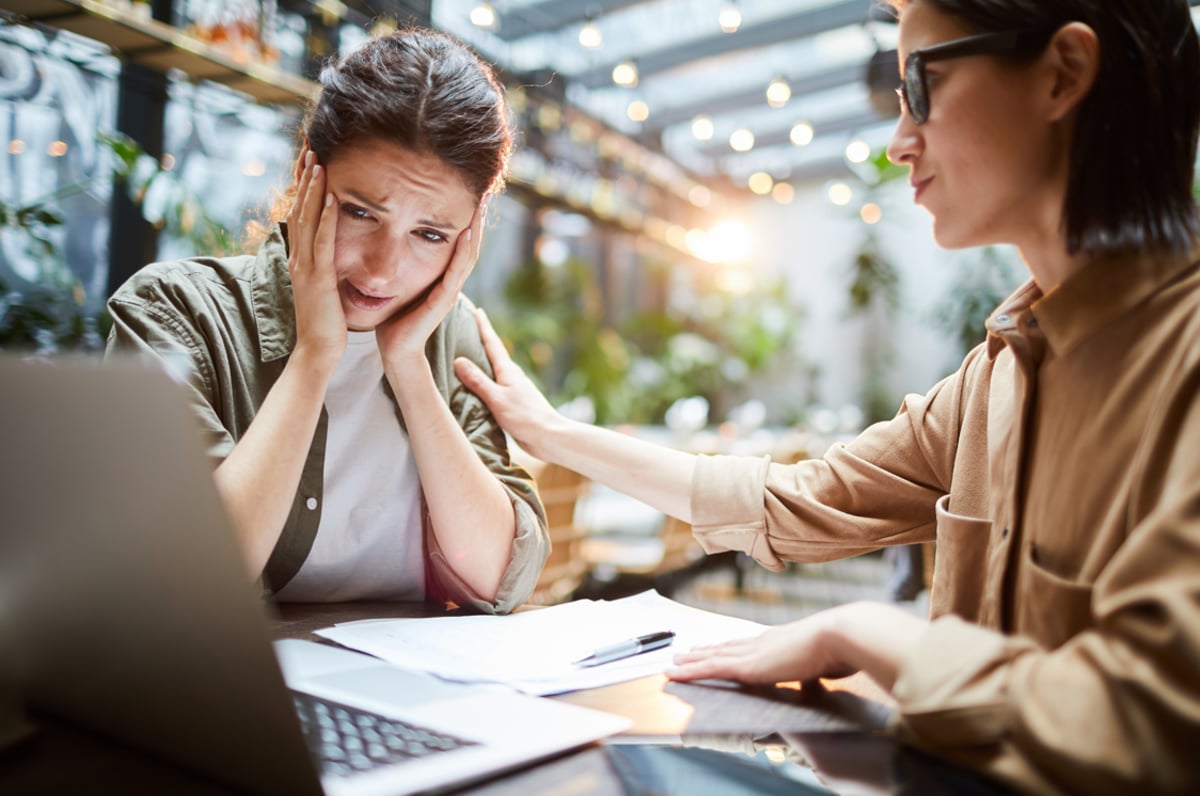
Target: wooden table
{"x":688,"y":731}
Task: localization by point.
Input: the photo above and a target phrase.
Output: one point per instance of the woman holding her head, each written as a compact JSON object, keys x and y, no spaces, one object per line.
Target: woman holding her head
{"x":352,"y":462}
{"x":1058,"y":469}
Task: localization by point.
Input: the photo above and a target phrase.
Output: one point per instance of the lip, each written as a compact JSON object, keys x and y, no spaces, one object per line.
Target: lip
{"x":368,"y":302}
{"x":918,"y":187}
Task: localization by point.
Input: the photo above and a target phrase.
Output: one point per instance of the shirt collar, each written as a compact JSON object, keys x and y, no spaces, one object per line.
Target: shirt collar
{"x":1006,"y":318}
{"x":1089,"y":300}
{"x":271,"y":293}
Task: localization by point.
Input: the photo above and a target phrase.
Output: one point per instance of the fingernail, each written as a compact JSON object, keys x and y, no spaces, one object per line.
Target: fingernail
{"x":328,"y":199}
{"x":469,"y":231}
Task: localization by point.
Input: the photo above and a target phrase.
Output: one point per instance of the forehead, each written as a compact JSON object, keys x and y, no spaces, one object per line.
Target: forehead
{"x":922,"y":25}
{"x":388,"y":173}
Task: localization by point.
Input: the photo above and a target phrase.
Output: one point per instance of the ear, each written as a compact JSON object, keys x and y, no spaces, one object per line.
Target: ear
{"x":1074,"y":58}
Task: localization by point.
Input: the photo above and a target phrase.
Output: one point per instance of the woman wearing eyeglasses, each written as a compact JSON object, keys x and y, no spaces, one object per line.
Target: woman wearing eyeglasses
{"x":1058,"y":469}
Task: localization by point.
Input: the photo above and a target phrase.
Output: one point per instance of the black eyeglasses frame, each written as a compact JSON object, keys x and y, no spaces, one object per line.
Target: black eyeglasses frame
{"x":914,"y":90}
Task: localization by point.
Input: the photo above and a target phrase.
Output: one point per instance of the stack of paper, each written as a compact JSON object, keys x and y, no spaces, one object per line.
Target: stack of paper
{"x":533,"y":651}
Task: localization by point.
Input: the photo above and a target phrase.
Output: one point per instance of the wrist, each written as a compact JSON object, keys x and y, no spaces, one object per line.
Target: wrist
{"x":409,"y":377}
{"x":873,"y":637}
{"x":550,"y":438}
{"x":315,"y":362}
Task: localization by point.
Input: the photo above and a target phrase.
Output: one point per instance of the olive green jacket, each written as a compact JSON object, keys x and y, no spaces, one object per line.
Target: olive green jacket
{"x":228,"y":326}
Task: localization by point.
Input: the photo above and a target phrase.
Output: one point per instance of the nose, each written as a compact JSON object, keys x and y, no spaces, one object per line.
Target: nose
{"x":380,"y":261}
{"x":906,"y":142}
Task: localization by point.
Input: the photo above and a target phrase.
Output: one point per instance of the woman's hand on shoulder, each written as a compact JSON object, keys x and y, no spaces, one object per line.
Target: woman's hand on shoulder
{"x":513,"y":398}
{"x":312,"y":227}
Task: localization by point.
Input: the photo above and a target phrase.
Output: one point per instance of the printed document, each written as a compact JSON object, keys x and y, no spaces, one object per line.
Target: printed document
{"x":534,"y":650}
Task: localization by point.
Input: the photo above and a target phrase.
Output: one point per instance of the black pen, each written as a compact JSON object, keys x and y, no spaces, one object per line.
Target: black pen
{"x":626,"y":649}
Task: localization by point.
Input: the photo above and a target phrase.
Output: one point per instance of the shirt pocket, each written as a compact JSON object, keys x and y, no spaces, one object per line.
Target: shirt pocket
{"x":1050,"y":608}
{"x":962,"y":545}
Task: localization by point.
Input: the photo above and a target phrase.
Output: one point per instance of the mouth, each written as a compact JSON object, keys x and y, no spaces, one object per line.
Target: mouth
{"x":919,"y":187}
{"x":363,"y":300}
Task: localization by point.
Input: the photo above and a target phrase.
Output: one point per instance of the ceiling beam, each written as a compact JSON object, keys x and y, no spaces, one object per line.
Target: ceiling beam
{"x":748,"y":37}
{"x":551,"y":15}
{"x":744,"y":98}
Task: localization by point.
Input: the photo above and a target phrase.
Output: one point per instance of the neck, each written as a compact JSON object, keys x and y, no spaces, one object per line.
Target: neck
{"x":1050,"y":264}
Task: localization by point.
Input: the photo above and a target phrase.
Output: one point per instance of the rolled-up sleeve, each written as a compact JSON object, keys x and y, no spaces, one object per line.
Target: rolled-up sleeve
{"x":531,"y":544}
{"x":878,"y":490}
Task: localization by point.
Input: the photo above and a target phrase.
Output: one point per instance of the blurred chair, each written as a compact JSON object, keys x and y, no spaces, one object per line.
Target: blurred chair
{"x":566,"y":568}
{"x":630,"y":563}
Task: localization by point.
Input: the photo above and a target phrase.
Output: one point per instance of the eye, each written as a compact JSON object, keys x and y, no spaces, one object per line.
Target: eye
{"x":933,"y":76}
{"x":431,"y":236}
{"x":355,"y":212}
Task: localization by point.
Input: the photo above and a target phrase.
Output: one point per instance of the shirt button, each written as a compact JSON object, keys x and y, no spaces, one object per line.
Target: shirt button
{"x":311,"y":503}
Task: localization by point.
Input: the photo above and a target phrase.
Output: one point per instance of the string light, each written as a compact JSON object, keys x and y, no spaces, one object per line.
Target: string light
{"x":625,"y":74}
{"x":483,"y":15}
{"x":760,"y":183}
{"x":741,"y":140}
{"x":857,"y":151}
{"x":730,"y":18}
{"x":840,"y":194}
{"x":702,"y":128}
{"x":638,"y":111}
{"x":590,"y":36}
{"x":801,"y":134}
{"x":778,"y":93}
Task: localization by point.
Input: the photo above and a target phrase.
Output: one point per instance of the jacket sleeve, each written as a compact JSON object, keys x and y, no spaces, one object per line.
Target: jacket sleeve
{"x":152,"y":323}
{"x":878,"y":490}
{"x":460,"y":337}
{"x":1116,"y":708}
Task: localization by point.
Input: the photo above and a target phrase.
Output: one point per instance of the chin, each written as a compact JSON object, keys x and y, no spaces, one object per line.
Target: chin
{"x":358,"y":321}
{"x":948,"y":237}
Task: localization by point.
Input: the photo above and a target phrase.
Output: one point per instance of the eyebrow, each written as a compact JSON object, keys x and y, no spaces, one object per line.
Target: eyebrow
{"x":445,"y":226}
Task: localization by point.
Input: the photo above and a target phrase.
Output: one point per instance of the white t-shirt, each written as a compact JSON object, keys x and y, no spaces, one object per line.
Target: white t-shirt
{"x":369,"y":544}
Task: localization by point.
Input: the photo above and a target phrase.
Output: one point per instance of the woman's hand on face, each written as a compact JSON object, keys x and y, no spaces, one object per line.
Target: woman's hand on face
{"x":518,"y":405}
{"x":312,"y":228}
{"x":404,"y":334}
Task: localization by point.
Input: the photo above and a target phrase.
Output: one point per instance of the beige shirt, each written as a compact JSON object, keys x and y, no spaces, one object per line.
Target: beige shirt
{"x":1059,"y":472}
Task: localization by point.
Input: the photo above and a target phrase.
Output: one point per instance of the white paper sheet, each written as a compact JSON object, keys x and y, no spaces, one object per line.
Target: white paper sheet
{"x":533,"y":650}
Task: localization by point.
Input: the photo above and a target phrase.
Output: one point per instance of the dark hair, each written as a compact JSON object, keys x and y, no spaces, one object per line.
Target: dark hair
{"x":424,"y":90}
{"x":1134,"y":153}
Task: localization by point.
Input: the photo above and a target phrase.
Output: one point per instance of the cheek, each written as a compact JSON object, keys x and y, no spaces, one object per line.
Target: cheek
{"x":346,"y":250}
{"x":427,"y":262}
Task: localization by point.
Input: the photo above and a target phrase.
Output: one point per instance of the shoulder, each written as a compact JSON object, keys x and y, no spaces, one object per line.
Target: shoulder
{"x":186,"y":281}
{"x":458,"y":333}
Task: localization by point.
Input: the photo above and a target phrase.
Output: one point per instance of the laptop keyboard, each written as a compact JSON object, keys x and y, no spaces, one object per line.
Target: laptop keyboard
{"x":347,"y":740}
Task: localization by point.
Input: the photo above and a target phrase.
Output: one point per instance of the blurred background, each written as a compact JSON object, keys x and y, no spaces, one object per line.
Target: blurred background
{"x":701,"y":240}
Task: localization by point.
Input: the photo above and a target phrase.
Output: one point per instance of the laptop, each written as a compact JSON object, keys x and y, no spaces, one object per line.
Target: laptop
{"x":125,"y":608}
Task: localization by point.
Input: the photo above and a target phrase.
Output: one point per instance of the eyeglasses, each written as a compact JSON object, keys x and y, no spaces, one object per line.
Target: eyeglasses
{"x":914,"y":91}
